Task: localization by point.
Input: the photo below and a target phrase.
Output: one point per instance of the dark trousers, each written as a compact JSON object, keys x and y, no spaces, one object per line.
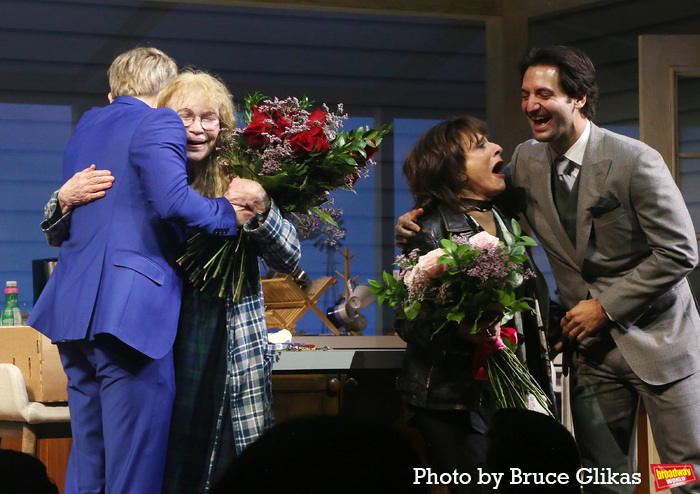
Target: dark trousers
{"x":605,"y":396}
{"x":120,"y":405}
{"x":454,"y":440}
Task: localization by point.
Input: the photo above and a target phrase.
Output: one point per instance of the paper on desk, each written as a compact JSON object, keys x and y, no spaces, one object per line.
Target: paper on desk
{"x":281,"y":336}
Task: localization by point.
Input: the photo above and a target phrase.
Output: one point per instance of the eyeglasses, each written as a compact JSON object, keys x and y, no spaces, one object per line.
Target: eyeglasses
{"x":208,"y":121}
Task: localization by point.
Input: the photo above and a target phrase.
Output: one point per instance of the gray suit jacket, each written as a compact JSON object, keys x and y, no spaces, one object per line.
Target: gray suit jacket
{"x":635,"y":245}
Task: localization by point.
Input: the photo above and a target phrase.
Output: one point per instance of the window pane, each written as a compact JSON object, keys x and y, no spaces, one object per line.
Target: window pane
{"x":320,"y":259}
{"x":689,"y":115}
{"x":406,"y":133}
{"x":689,"y":181}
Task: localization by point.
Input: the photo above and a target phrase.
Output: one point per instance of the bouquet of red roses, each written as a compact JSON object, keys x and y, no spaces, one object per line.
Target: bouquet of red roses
{"x":298,"y":155}
{"x":465,"y":282}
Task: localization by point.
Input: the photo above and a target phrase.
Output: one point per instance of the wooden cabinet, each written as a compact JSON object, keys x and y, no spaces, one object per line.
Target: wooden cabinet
{"x":299,"y":395}
{"x":355,"y":377}
{"x":368,"y":394}
{"x":364,"y":394}
{"x":353,"y":383}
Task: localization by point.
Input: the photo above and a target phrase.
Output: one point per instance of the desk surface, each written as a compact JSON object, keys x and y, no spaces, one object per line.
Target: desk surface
{"x":341,"y":353}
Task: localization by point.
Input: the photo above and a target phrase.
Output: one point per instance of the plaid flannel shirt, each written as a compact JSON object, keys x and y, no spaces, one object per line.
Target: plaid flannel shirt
{"x":56,"y":226}
{"x":250,"y":357}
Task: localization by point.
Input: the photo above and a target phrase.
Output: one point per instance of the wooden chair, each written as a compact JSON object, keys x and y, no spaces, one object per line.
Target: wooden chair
{"x":286,"y":302}
{"x":26,"y":419}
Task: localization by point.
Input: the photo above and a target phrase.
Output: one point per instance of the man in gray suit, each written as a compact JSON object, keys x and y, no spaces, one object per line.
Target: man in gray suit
{"x":620,"y":242}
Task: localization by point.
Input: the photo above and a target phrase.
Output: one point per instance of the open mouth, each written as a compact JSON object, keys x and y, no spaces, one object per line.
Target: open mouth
{"x":193,"y":142}
{"x":497,"y":169}
{"x":539,"y":120}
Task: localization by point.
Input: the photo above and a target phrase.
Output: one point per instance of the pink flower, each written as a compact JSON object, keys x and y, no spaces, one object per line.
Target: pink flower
{"x":483,"y":240}
{"x":408,"y":277}
{"x":429,"y":260}
{"x":423,"y":269}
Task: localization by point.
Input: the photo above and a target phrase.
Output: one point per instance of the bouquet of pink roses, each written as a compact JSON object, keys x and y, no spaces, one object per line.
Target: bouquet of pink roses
{"x":468,"y":282}
{"x":298,"y":155}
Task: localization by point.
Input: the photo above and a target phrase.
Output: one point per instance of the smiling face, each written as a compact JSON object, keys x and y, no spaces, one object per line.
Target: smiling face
{"x":554,"y":116}
{"x":200,"y":142}
{"x":484,"y":163}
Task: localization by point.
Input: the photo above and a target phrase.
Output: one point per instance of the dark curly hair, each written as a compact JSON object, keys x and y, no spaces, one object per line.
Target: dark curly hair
{"x":576,"y":72}
{"x":435,"y":169}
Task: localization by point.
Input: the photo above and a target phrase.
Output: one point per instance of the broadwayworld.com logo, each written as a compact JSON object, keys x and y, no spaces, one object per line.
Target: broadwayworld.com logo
{"x":667,"y":476}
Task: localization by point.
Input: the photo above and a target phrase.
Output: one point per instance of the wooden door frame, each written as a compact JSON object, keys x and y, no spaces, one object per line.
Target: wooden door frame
{"x":662,"y":60}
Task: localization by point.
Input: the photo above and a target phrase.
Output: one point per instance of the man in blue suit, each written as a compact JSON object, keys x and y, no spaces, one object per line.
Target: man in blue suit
{"x":113,"y":301}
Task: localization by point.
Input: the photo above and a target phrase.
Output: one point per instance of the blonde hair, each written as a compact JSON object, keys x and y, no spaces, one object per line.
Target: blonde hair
{"x":212,"y":180}
{"x":140,"y":72}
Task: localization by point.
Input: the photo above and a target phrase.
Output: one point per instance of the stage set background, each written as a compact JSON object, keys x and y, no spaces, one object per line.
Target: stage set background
{"x":411,"y":65}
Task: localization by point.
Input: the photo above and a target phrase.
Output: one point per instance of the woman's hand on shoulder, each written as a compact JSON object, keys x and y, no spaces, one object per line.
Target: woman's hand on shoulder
{"x":83,"y":187}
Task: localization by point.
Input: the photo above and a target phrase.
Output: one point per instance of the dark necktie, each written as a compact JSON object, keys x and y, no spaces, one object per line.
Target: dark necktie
{"x":566,"y":174}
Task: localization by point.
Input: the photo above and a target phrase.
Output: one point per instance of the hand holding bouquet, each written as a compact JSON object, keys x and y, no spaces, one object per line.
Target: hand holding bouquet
{"x":468,"y":282}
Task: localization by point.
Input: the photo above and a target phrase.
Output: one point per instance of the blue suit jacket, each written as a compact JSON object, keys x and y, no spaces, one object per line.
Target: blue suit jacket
{"x":117,"y":272}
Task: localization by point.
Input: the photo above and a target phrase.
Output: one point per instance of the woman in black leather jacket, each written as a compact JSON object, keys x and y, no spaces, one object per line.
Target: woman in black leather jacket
{"x":453,"y":173}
